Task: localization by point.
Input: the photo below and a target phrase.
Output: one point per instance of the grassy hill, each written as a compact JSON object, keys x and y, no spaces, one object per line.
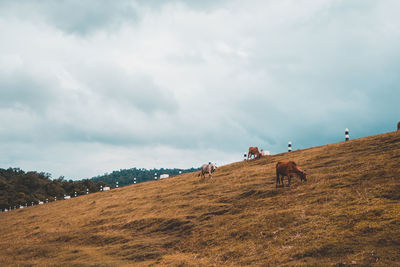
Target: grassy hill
{"x":346,"y":214}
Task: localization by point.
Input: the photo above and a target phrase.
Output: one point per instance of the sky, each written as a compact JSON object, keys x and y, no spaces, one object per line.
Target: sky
{"x":88,"y":87}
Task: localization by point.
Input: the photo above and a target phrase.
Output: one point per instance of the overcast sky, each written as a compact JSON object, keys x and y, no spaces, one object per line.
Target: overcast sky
{"x":88,"y":87}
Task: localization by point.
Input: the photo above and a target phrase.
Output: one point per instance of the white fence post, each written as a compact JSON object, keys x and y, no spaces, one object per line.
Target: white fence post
{"x":134,"y":180}
{"x":116,"y":184}
{"x":346,"y":134}
{"x":290,"y":146}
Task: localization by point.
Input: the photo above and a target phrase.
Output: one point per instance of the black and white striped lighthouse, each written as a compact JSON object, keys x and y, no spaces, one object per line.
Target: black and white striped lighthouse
{"x":346,"y":134}
{"x":289,"y":146}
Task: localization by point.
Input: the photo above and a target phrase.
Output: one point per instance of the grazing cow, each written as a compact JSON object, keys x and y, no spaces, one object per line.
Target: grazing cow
{"x":253,"y":151}
{"x":289,"y":169}
{"x":398,"y":126}
{"x":207,"y":168}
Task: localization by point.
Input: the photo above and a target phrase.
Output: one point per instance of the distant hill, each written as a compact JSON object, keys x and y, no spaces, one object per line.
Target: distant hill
{"x":126,"y":176}
{"x":346,"y":214}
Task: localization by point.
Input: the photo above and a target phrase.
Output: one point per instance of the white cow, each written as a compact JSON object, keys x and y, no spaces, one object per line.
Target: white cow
{"x":265,"y":153}
{"x":207,"y":168}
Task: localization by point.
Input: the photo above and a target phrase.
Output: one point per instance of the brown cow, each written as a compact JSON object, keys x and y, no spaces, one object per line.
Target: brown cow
{"x":289,"y":169}
{"x":398,"y":126}
{"x":253,"y":151}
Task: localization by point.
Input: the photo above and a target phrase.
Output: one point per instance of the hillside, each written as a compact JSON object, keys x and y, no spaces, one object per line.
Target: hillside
{"x":346,"y":214}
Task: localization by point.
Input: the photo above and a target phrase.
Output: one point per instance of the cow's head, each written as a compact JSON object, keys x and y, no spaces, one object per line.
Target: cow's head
{"x":303,"y":175}
{"x":213,"y":167}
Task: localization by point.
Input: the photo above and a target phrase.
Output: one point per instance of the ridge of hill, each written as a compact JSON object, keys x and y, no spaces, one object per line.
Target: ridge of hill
{"x":126,"y":177}
{"x":346,"y":214}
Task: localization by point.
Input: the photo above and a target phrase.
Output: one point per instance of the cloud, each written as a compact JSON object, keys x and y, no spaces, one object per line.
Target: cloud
{"x":97,"y":84}
{"x":72,"y":16}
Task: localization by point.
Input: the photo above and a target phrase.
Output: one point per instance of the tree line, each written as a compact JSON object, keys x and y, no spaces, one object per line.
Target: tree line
{"x":18,"y":187}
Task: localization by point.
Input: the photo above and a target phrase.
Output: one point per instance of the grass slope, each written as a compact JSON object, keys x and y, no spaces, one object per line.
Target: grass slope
{"x":347,"y":213}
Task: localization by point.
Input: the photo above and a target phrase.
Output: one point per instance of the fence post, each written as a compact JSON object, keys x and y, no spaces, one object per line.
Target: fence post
{"x":116,"y":184}
{"x":290,"y":146}
{"x":244,"y":157}
{"x":87,"y":191}
{"x":346,"y":134}
{"x":134,"y":180}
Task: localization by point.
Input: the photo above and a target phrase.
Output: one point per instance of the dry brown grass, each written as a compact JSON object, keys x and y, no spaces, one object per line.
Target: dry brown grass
{"x":346,"y":214}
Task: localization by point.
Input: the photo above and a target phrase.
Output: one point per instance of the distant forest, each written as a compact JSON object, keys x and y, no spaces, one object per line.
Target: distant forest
{"x":18,"y":187}
{"x":126,"y":176}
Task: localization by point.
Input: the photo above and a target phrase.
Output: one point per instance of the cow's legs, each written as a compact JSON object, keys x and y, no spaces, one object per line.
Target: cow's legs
{"x":277,"y":179}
